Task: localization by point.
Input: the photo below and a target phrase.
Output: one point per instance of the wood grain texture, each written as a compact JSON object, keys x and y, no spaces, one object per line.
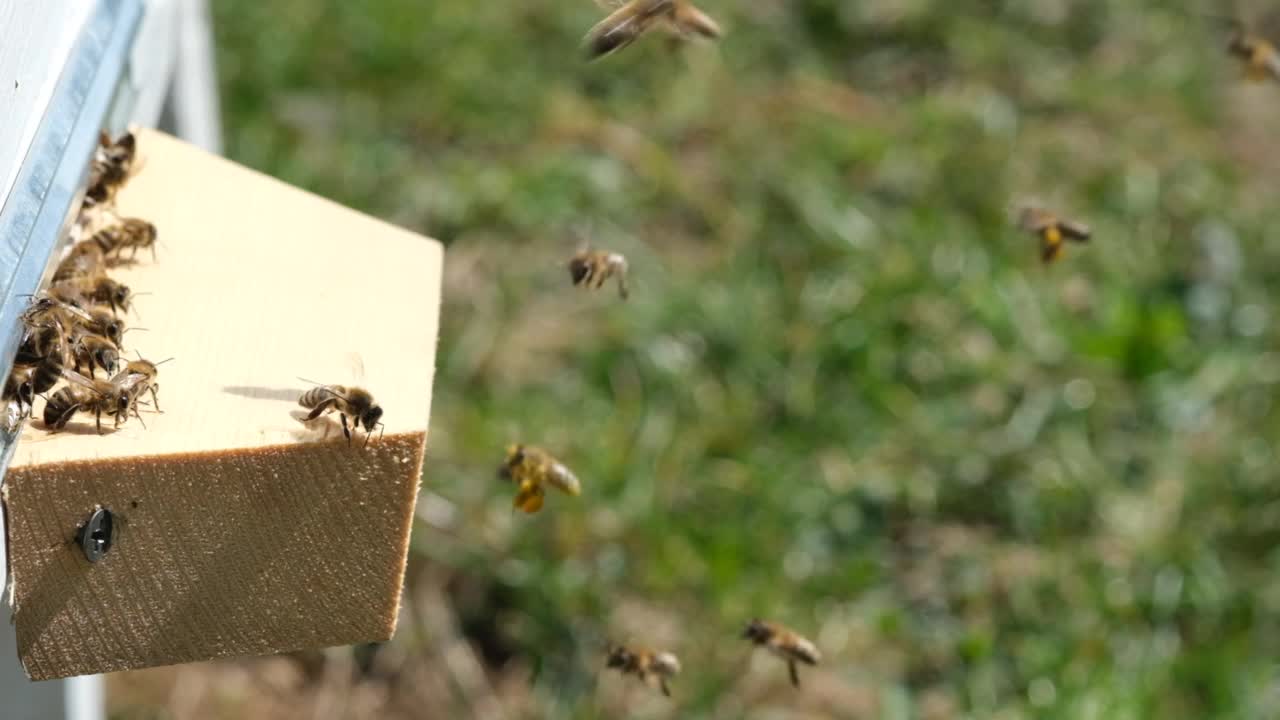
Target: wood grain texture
{"x":246,"y":531}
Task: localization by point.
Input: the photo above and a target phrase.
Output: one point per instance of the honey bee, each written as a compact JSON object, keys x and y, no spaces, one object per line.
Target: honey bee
{"x":129,"y":234}
{"x":1052,"y":231}
{"x":138,"y":377}
{"x":629,"y":19}
{"x":81,"y":394}
{"x":1258,"y":55}
{"x":94,"y":351}
{"x":19,"y":388}
{"x":783,"y":643}
{"x":592,"y":268}
{"x":104,"y":322}
{"x":353,"y":401}
{"x":644,"y":664}
{"x":112,"y":164}
{"x":93,"y":289}
{"x":85,"y":259}
{"x":530,"y":468}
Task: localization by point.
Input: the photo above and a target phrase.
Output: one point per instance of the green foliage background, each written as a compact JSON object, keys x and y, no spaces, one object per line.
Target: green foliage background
{"x":845,"y":394}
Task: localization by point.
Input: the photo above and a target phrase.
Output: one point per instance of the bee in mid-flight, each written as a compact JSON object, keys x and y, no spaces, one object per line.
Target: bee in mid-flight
{"x":593,"y":268}
{"x":531,"y":469}
{"x":783,"y":643}
{"x":629,"y":19}
{"x":1052,"y":231}
{"x":1261,"y":61}
{"x":355,"y":402}
{"x":644,"y":664}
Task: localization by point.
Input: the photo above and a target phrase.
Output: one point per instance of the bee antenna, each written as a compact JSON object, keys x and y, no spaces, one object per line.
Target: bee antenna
{"x":161,"y":362}
{"x":135,"y":328}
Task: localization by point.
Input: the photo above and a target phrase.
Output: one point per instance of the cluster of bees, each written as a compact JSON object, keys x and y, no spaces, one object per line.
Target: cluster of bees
{"x":531,"y":469}
{"x":73,"y":330}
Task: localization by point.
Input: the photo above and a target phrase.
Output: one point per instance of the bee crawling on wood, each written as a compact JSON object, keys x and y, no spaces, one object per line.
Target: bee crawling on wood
{"x":139,"y":376}
{"x":355,"y":402}
{"x":92,"y":352}
{"x":593,"y":268}
{"x":629,"y":19}
{"x":96,"y":289}
{"x":531,"y":469}
{"x":130,"y":234}
{"x":1052,"y":231}
{"x":783,"y":643}
{"x":644,"y":664}
{"x":84,"y":260}
{"x":82,"y":394}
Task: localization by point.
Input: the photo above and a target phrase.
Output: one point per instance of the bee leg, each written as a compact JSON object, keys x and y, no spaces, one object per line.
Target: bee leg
{"x":345,"y":430}
{"x":622,"y":287}
{"x":155,"y":399}
{"x":662,"y":683}
{"x":98,"y":417}
{"x":795,"y":674}
{"x":321,"y":407}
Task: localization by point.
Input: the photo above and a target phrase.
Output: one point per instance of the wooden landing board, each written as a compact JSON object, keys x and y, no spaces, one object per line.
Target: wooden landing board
{"x":245,"y":531}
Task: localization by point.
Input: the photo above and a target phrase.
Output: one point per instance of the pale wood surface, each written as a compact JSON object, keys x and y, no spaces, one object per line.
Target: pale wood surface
{"x":252,"y":532}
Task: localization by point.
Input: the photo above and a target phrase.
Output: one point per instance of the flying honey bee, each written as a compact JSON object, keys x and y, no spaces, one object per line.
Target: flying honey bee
{"x":783,"y":643}
{"x":112,"y":165}
{"x":629,"y":19}
{"x":1052,"y":231}
{"x":81,"y":394}
{"x":531,"y":468}
{"x":347,"y":401}
{"x":130,"y":234}
{"x":139,"y":376}
{"x":644,"y":664}
{"x":592,"y":268}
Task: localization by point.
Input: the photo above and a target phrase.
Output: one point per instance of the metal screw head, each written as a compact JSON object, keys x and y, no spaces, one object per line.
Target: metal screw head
{"x":95,"y":536}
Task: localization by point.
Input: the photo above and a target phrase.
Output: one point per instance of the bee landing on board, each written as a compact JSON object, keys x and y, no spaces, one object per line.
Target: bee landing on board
{"x":783,"y":643}
{"x":531,"y":469}
{"x":629,"y":19}
{"x":644,"y":664}
{"x":593,"y":268}
{"x":1052,"y":231}
{"x":347,"y":401}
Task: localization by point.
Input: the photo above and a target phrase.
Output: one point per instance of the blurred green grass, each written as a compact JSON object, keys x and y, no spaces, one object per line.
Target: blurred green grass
{"x":845,"y":394}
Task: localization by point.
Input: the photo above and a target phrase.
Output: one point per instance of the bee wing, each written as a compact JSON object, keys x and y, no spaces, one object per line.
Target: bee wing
{"x":690,"y":20}
{"x":1075,"y":230}
{"x":563,"y":479}
{"x":357,"y":367}
{"x":623,"y":26}
{"x":74,"y":377}
{"x":804,"y":650}
{"x":328,"y":388}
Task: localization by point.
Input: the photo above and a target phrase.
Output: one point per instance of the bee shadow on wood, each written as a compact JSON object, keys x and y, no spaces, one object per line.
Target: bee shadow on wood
{"x":264,"y":393}
{"x":78,"y":427}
